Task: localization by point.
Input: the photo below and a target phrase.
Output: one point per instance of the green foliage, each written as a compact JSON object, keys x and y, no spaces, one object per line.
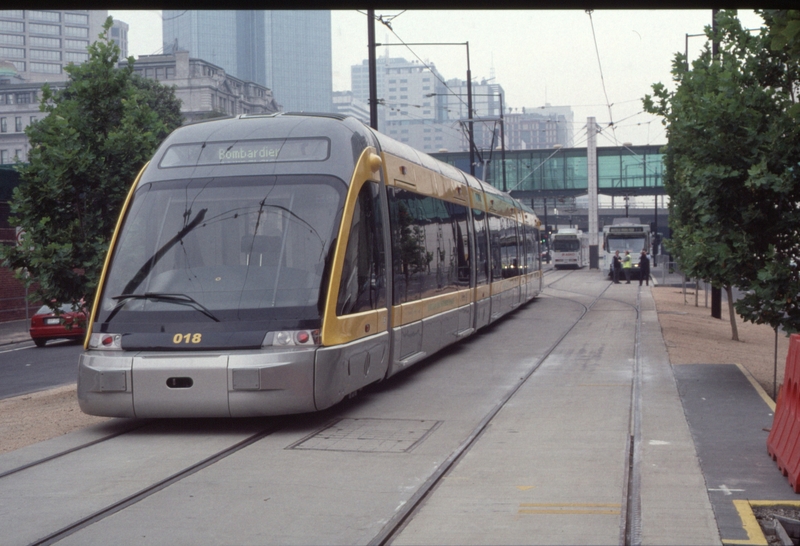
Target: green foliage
{"x":99,"y":132}
{"x":731,"y":169}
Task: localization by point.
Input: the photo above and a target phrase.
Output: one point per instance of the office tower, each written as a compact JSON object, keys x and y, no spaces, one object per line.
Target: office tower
{"x":286,"y":51}
{"x":40,"y":43}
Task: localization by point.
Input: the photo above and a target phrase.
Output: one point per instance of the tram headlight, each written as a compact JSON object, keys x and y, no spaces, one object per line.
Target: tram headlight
{"x":291,"y":338}
{"x":106,"y":342}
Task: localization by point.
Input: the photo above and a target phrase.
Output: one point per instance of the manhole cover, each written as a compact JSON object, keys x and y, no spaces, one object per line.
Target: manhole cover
{"x":369,"y":435}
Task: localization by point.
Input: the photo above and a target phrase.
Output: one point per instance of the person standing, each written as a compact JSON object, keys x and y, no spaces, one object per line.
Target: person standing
{"x":627,"y":264}
{"x":644,"y":268}
{"x":616,"y":266}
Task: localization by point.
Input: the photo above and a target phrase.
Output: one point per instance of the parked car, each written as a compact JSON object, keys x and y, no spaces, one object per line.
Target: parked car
{"x":46,"y":325}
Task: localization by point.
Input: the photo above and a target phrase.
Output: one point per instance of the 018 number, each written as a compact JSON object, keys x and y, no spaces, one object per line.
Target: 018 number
{"x":187,"y":338}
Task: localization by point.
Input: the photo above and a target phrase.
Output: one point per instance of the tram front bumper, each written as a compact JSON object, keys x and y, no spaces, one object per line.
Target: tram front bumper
{"x":241,"y":384}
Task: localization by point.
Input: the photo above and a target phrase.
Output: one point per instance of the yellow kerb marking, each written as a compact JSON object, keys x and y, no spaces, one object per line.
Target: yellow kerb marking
{"x":755,"y":535}
{"x":764,"y":396}
{"x":571,"y":508}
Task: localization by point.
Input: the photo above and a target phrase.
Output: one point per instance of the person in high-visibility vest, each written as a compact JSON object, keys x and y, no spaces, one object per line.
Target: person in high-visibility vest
{"x":627,"y":263}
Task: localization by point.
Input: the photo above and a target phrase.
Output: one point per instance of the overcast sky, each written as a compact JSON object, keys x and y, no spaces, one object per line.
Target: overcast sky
{"x":601,"y":65}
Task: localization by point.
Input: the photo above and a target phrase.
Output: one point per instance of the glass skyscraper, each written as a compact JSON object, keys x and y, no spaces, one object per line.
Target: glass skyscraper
{"x":287,"y":51}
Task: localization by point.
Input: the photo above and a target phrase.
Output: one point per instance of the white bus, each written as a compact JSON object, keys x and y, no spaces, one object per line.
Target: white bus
{"x":569,"y":248}
{"x":625,"y":234}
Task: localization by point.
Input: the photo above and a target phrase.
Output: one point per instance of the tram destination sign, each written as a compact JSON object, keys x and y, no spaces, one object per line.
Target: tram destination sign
{"x":626,"y":229}
{"x":245,"y":151}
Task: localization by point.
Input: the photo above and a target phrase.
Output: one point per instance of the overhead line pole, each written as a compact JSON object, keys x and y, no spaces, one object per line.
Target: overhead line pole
{"x":373,"y":77}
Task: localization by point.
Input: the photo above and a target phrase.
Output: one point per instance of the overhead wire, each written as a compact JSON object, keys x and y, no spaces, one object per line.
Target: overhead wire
{"x":602,"y":79}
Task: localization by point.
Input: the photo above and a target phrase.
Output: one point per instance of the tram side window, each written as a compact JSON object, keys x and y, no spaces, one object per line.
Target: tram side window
{"x":363,"y":284}
{"x":430,"y":246}
{"x":481,"y":247}
{"x":495,"y":238}
{"x":533,"y":250}
{"x":510,"y":249}
{"x":460,"y":242}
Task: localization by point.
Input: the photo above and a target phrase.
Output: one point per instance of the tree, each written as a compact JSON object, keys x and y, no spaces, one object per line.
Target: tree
{"x":99,"y":132}
{"x":733,"y":192}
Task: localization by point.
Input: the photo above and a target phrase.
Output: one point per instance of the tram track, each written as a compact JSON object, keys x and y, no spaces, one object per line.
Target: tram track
{"x":71,"y":450}
{"x":158,"y":486}
{"x":630,"y":519}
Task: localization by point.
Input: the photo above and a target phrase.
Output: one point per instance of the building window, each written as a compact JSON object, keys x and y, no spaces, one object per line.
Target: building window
{"x":12,"y":52}
{"x":33,"y":120}
{"x":46,"y":68}
{"x":41,"y":41}
{"x":3,"y":157}
{"x":76,"y":44}
{"x":76,"y":18}
{"x":18,"y":124}
{"x":75,"y":57}
{"x":45,"y":55}
{"x":11,"y":13}
{"x":23,"y":98}
{"x":53,"y":30}
{"x":12,"y":26}
{"x":3,"y":125}
{"x":12,"y":39}
{"x":18,"y":155}
{"x":81,"y":32}
{"x":51,"y":16}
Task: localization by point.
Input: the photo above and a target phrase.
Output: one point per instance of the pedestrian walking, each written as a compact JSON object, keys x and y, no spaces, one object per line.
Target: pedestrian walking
{"x":644,"y":268}
{"x":627,"y":264}
{"x":616,"y":267}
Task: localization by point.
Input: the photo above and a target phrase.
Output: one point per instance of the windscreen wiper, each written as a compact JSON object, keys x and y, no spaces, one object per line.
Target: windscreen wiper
{"x":180,"y":299}
{"x":153,"y":260}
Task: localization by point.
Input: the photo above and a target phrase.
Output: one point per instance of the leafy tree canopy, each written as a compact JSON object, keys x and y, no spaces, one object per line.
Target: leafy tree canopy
{"x":99,"y":132}
{"x":731,"y":169}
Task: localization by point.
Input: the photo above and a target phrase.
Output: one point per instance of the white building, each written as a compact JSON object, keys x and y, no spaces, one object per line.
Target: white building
{"x":345,"y":103}
{"x":205,"y":90}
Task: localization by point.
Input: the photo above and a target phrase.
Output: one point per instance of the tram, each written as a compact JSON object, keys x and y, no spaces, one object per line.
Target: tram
{"x":275,"y":264}
{"x":625,"y":234}
{"x":570,"y":248}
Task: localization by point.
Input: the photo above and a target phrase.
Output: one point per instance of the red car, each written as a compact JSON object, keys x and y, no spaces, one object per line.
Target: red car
{"x":46,"y":325}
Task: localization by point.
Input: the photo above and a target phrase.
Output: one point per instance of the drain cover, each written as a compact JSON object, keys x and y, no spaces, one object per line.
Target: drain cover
{"x":369,"y":435}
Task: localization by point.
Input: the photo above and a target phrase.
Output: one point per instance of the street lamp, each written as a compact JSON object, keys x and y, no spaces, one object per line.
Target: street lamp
{"x":469,"y":92}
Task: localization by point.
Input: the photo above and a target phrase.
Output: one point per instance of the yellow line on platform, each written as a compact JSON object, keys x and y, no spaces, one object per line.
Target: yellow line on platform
{"x":582,"y":508}
{"x":761,"y":392}
{"x":571,"y":512}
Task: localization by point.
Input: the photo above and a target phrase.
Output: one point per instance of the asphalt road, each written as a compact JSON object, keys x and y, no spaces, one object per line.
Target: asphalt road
{"x":25,"y":368}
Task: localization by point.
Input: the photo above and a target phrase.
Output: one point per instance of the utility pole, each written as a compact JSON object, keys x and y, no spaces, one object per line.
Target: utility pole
{"x":470,"y":129}
{"x":373,"y":76}
{"x":591,"y":165}
{"x":503,"y":142}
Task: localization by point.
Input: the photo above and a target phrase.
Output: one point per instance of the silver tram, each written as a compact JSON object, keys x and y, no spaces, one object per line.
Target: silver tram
{"x":267,"y":265}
